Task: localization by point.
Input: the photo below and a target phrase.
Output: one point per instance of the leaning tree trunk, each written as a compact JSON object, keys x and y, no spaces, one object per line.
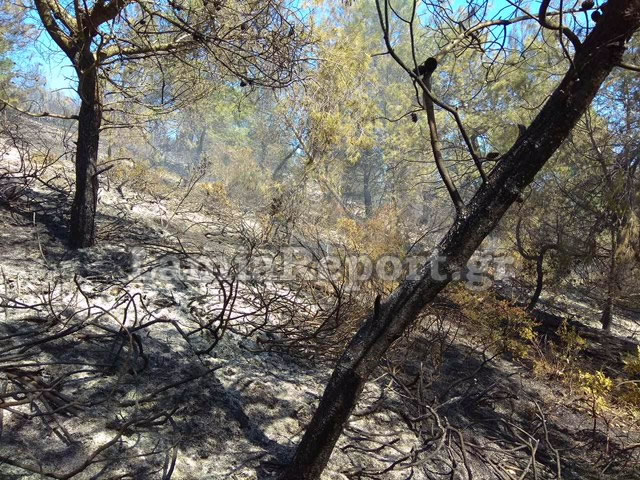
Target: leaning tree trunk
{"x":601,"y":51}
{"x":83,"y":210}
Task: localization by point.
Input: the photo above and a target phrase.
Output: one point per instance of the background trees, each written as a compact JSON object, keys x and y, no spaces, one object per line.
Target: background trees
{"x":255,"y":43}
{"x":582,"y":210}
{"x":12,"y":32}
{"x":5,"y":64}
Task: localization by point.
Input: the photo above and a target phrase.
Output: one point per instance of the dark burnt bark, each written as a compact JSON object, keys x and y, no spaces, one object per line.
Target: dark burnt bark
{"x":539,"y":259}
{"x":539,"y":277}
{"x":279,"y":170}
{"x":539,"y":281}
{"x":593,"y":62}
{"x":85,"y":201}
{"x":74,"y":35}
{"x":612,"y":281}
{"x":607,"y":313}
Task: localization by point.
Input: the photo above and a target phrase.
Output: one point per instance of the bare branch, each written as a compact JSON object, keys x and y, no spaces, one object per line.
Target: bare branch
{"x":566,"y":31}
{"x":629,"y":66}
{"x":5,"y":103}
{"x":414,"y":74}
{"x":47,"y":16}
{"x":435,"y":141}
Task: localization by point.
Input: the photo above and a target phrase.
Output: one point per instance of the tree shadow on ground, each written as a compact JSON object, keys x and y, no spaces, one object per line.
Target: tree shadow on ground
{"x":495,"y":405}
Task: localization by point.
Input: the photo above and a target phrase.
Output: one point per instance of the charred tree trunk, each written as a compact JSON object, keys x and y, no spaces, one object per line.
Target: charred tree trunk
{"x":597,"y":56}
{"x":607,"y":313}
{"x":539,"y":259}
{"x":85,"y":200}
{"x":539,"y":282}
{"x":612,"y":281}
{"x":539,"y":277}
{"x":278,"y":171}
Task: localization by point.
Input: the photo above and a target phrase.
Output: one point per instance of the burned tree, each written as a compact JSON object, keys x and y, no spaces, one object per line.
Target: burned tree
{"x":591,"y":62}
{"x":250,"y":42}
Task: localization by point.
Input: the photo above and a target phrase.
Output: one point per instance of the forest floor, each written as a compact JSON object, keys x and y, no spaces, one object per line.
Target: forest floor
{"x":113,"y":366}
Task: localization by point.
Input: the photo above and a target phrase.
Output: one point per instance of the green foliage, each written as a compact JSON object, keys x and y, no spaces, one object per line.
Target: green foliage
{"x":632,"y":364}
{"x":141,"y":177}
{"x":502,"y":326}
{"x":597,"y":384}
{"x":630,"y":389}
{"x":6,"y":64}
{"x":374,"y":237}
{"x":562,"y":361}
{"x":559,"y":359}
{"x":216,"y":191}
{"x":630,"y":395}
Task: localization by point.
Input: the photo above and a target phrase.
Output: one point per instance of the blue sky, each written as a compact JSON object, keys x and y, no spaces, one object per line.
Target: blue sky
{"x":52,"y":64}
{"x":58,"y":73}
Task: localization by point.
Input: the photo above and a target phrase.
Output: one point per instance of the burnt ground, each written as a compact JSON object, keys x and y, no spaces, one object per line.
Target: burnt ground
{"x":112,"y":368}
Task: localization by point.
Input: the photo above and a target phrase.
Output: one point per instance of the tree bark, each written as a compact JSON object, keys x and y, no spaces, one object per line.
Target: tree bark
{"x":539,"y":277}
{"x":594,"y":60}
{"x":539,"y":259}
{"x":539,"y":282}
{"x":85,"y":201}
{"x":607,"y":313}
{"x":612,"y":281}
{"x":436,"y":148}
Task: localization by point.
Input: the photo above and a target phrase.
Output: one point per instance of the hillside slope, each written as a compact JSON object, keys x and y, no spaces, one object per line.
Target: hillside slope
{"x":150,"y":356}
